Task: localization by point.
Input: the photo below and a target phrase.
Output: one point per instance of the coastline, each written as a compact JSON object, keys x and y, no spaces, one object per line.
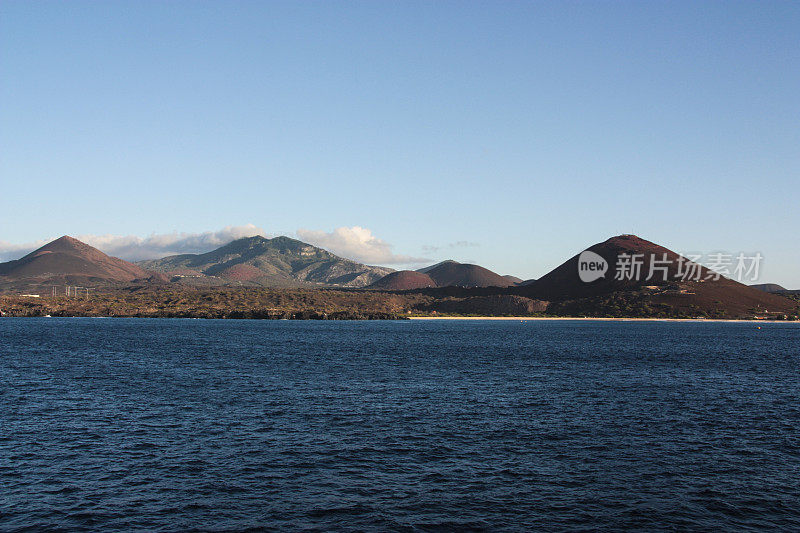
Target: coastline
{"x":300,"y":316}
{"x":618,"y":319}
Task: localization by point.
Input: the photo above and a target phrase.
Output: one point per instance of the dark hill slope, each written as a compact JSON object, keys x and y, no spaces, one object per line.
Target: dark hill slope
{"x":454,"y":274}
{"x":69,"y":260}
{"x":564,"y":282}
{"x":721,"y":297}
{"x":278,"y":262}
{"x":403,"y":280}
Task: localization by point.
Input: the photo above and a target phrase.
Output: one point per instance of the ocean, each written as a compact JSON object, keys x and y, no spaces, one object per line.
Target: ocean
{"x":176,"y":425}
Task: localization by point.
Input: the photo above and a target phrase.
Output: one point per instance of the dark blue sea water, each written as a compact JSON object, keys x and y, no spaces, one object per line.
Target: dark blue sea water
{"x":116,"y":424}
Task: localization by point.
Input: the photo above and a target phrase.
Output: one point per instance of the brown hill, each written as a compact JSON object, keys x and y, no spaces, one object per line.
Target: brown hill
{"x":670,"y":287}
{"x":403,"y":280}
{"x":455,"y":274}
{"x":564,"y":282}
{"x":71,"y":261}
{"x":241,"y":272}
{"x":513,"y":280}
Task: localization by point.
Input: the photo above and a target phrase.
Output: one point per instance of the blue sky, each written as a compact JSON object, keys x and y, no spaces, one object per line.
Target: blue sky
{"x":511,"y":134}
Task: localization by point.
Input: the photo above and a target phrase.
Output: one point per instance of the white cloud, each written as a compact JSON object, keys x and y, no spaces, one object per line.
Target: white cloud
{"x":134,"y":248}
{"x":358,"y":244}
{"x":9,"y":251}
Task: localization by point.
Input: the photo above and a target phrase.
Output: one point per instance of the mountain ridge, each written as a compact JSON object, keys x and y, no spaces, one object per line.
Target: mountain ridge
{"x":283,"y":262}
{"x":280,"y":261}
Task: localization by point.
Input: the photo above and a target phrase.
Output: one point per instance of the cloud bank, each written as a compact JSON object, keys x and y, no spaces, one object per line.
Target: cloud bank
{"x":135,"y":248}
{"x":9,"y":251}
{"x":358,"y":244}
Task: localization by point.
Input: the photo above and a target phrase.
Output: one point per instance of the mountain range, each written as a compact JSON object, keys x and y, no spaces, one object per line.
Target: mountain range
{"x":278,"y":262}
{"x":283,"y":262}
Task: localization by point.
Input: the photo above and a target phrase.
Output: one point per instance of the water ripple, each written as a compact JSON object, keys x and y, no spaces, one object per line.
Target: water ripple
{"x":186,"y":425}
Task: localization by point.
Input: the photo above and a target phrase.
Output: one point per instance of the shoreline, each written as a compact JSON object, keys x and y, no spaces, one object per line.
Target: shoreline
{"x":423,"y":318}
{"x":619,"y":319}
